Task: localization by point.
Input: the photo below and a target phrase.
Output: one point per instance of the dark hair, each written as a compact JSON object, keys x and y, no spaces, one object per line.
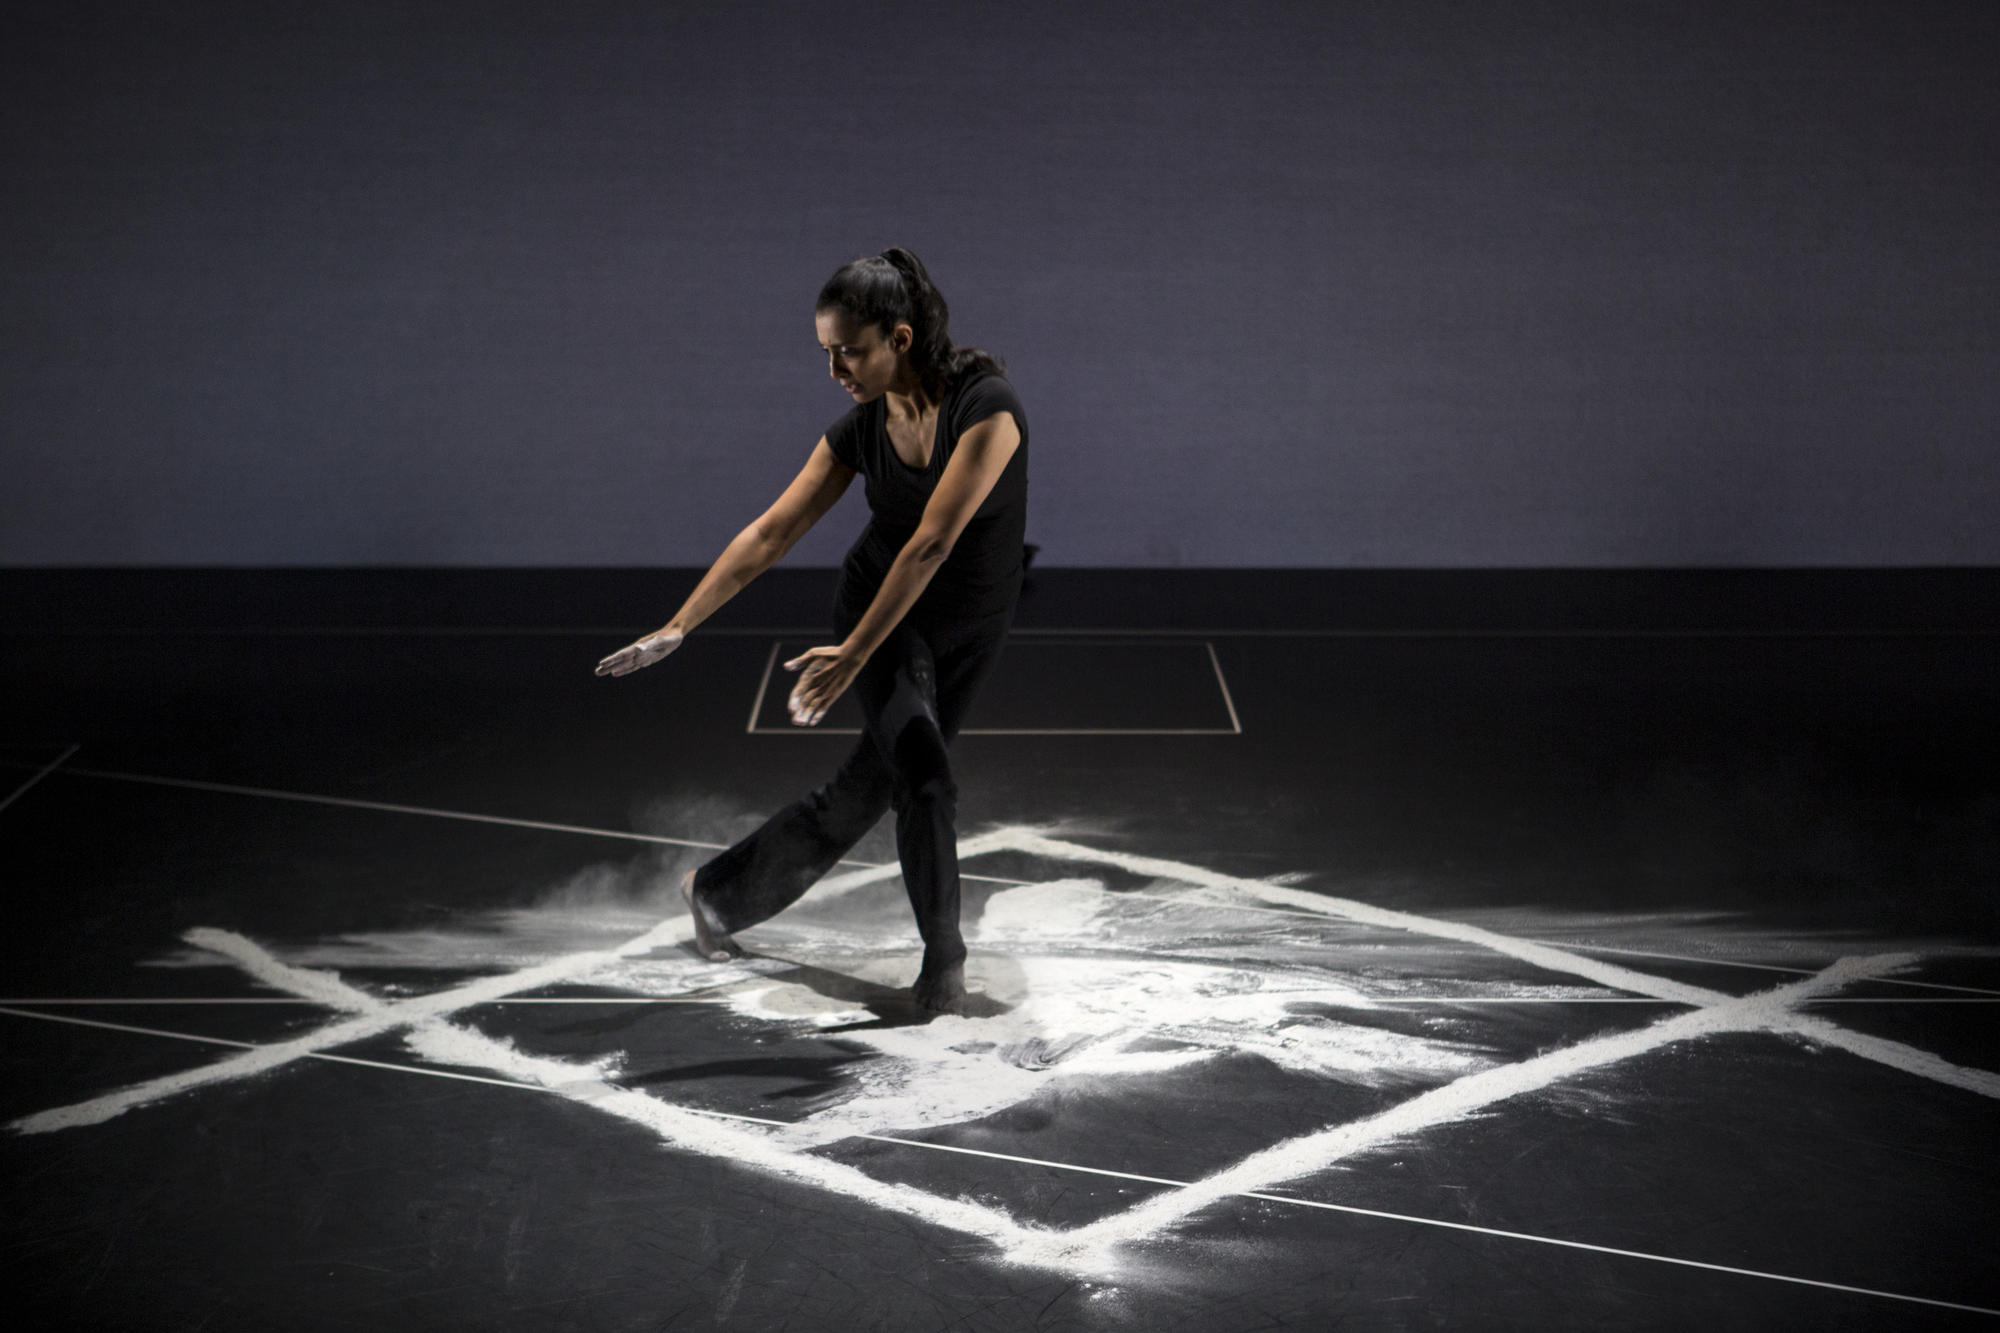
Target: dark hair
{"x":893,"y":288}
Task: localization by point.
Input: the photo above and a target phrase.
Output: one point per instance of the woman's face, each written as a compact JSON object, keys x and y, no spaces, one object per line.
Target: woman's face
{"x":861,"y":358}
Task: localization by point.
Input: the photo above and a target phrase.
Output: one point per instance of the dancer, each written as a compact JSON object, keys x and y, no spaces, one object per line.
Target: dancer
{"x":926,"y":595}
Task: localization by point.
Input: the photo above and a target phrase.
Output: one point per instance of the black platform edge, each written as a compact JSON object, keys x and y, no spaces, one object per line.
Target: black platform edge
{"x":209,"y":600}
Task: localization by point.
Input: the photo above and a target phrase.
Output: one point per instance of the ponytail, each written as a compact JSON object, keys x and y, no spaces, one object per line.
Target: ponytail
{"x":894,"y":288}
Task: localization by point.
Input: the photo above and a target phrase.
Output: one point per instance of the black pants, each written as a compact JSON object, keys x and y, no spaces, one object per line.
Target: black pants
{"x":913,"y":692}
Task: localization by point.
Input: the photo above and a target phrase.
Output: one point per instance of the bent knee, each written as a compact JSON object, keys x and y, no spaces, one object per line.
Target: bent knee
{"x":922,"y":766}
{"x":936,"y":790}
{"x":920,"y":755}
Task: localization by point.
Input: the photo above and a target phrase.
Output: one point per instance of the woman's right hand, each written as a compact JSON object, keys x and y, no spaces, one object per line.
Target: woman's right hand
{"x":643,"y":653}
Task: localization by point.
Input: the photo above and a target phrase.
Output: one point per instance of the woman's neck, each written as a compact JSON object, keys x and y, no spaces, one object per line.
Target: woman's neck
{"x":909,"y":402}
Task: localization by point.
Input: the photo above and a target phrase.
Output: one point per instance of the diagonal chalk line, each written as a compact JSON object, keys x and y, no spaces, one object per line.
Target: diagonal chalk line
{"x":1760,"y":967}
{"x":1349,"y":909}
{"x":369,"y":1023}
{"x":1545,"y":956}
{"x":149,"y":1001}
{"x":43,"y":772}
{"x":679,"y":1127}
{"x":1019,"y":839}
{"x":1374,"y":1001}
{"x":1895,"y":1054}
{"x":640,"y":1001}
{"x":430,"y":1071}
{"x":1087,"y":1248}
{"x":375,"y":1018}
{"x":232,"y":1041}
{"x":1587,"y":948}
{"x":427,"y":1071}
{"x":1313,"y":1153}
{"x":433,"y":1039}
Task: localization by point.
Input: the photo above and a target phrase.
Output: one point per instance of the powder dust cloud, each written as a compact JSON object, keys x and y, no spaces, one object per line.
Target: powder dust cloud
{"x":1129,"y":982}
{"x":1078,"y":982}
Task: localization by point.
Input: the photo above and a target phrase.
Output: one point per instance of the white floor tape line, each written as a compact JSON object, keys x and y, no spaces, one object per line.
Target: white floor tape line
{"x":43,"y":772}
{"x":1092,"y":1248}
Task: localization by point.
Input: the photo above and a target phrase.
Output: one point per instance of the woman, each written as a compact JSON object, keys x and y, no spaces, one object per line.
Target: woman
{"x":926,"y":595}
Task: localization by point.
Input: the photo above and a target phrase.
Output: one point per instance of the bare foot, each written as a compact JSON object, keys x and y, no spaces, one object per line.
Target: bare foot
{"x":942,"y":991}
{"x":710,"y":942}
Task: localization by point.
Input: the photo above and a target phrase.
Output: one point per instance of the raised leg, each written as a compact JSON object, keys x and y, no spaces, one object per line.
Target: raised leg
{"x":771,"y":869}
{"x":913,"y":703}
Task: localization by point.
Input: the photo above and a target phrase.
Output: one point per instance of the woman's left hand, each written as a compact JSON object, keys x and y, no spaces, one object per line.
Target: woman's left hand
{"x":825,"y":675}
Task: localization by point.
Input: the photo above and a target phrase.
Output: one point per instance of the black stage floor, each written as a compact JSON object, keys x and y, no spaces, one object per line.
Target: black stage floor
{"x":1361,"y":952}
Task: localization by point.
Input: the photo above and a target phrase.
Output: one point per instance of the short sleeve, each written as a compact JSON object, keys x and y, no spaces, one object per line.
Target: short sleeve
{"x":843,"y":437}
{"x":986,"y":396}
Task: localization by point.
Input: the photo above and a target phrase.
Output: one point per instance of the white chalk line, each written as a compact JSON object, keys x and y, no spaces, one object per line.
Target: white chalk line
{"x":146,"y":1000}
{"x":431,"y":1071}
{"x":885,"y":870}
{"x":1892,"y":1053}
{"x":435,"y":1072}
{"x":370,"y":1017}
{"x":1315,"y":1152}
{"x":328,"y":1056}
{"x":714,"y":1137}
{"x":1377,"y":1001}
{"x":1043,"y":1246}
{"x":1303,"y":915}
{"x":442,"y":1043}
{"x":1348,"y":909}
{"x":45,"y":770}
{"x":1758,"y":967}
{"x":1895,"y":1054}
{"x":1410,"y":1218}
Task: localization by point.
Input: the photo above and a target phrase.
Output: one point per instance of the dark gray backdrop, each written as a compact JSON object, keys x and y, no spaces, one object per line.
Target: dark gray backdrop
{"x":1392,"y":284}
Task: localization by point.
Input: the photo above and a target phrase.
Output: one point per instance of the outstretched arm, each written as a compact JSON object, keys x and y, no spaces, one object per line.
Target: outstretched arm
{"x":820,"y":482}
{"x":982,"y":454}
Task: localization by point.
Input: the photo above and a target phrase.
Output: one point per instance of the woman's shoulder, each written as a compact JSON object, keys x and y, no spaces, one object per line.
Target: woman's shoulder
{"x":851,"y":436}
{"x":982,"y":393}
{"x":982,"y":379}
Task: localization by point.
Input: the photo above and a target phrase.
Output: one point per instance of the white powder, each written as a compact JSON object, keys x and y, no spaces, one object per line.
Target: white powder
{"x":1062,"y":910}
{"x":1312,"y":1153}
{"x":1081,"y":1015}
{"x":1092,"y":985}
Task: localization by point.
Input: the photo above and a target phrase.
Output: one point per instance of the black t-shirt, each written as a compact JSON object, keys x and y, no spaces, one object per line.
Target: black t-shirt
{"x":982,"y":575}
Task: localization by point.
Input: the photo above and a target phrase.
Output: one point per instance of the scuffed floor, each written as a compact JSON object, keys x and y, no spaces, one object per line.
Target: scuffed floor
{"x":1378,"y":1016}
